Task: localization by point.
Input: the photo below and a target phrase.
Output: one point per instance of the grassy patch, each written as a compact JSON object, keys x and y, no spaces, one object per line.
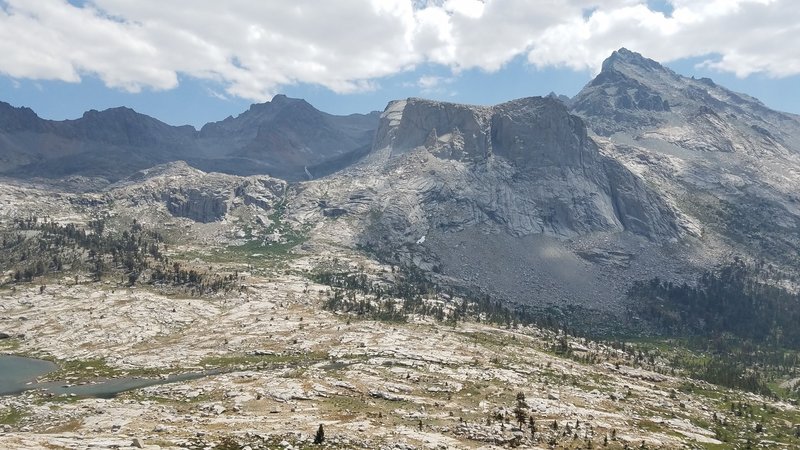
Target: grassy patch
{"x":271,"y":250}
{"x":81,"y":369}
{"x":239,"y":361}
{"x":347,"y":407}
{"x":10,"y":345}
{"x":86,"y":369}
{"x":12,"y":416}
{"x":70,"y":426}
{"x":483,"y":339}
{"x":649,"y":426}
{"x":290,"y":238}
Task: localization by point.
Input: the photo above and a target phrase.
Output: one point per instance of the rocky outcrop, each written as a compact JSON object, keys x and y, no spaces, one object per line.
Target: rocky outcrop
{"x":198,"y":204}
{"x":526,"y":166}
{"x":638,"y":208}
{"x":449,"y":130}
{"x":539,"y":132}
{"x":199,"y":196}
{"x":263,"y":192}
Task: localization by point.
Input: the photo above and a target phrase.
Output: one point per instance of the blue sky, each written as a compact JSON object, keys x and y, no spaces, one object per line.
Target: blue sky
{"x":190,"y":67}
{"x":194,"y":102}
{"x":197,"y":102}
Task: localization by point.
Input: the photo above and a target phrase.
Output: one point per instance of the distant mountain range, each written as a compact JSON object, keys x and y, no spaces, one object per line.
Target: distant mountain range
{"x":286,"y":138}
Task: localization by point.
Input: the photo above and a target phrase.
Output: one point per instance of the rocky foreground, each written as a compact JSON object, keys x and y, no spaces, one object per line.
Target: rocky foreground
{"x":287,"y":366}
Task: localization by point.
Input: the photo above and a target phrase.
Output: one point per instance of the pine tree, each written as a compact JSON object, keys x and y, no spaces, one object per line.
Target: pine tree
{"x":320,"y":437}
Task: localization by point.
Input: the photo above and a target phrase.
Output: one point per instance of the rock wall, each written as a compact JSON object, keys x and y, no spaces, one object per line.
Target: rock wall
{"x":198,"y":204}
{"x":525,"y":167}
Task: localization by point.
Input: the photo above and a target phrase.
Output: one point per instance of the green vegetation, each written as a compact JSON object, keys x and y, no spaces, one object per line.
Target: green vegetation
{"x":35,"y":248}
{"x":86,"y":369}
{"x":12,"y":416}
{"x":741,"y":322}
{"x":269,"y":251}
{"x":289,"y":237}
{"x":240,"y":361}
{"x":410,"y":290}
{"x":738,"y":299}
{"x":9,"y":345}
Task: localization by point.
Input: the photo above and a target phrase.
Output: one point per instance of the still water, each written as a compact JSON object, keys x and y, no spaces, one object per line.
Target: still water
{"x":18,"y":374}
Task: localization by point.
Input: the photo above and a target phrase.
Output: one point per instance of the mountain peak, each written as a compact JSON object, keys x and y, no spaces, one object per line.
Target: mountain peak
{"x":17,"y":118}
{"x":278,"y":102}
{"x":119,"y":113}
{"x":279,"y":98}
{"x":625,"y":58}
{"x":7,"y":109}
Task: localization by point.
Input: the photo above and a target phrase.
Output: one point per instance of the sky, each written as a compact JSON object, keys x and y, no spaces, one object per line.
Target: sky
{"x":196,"y":61}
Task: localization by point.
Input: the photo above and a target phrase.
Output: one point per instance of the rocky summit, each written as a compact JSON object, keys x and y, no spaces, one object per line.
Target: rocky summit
{"x":613,"y":270}
{"x":725,"y":158}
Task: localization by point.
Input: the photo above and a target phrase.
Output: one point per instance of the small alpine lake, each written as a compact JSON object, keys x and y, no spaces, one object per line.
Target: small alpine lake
{"x":19,"y":374}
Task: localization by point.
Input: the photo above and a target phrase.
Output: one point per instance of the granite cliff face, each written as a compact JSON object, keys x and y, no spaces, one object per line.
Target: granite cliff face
{"x":452,"y":131}
{"x":526,"y":166}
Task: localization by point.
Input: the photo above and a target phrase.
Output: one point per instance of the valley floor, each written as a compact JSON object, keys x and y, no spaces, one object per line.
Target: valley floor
{"x":287,"y":366}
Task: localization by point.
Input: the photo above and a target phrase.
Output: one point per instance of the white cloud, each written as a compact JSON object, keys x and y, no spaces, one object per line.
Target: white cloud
{"x":432,"y":81}
{"x":435,"y":85}
{"x":749,"y":35}
{"x":217,"y":95}
{"x":255,"y":48}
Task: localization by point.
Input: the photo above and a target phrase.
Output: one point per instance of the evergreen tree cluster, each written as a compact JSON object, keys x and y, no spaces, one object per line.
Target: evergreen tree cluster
{"x":34,"y":248}
{"x":412,"y":292}
{"x":739,"y":315}
{"x":740,"y":299}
